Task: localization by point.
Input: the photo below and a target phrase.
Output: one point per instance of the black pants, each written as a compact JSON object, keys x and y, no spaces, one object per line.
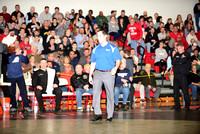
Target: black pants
{"x":161,"y":65}
{"x":180,"y":82}
{"x":23,"y":92}
{"x":56,"y":91}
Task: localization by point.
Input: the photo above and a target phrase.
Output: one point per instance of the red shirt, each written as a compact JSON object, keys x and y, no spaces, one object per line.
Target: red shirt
{"x":173,"y":35}
{"x":26,"y":47}
{"x":2,"y":36}
{"x":135,"y":31}
{"x":184,"y":41}
{"x":6,"y":16}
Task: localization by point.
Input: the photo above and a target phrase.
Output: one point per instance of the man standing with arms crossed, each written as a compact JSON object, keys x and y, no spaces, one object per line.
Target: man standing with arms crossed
{"x":105,"y":61}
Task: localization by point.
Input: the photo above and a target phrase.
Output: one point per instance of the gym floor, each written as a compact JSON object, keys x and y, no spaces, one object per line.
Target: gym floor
{"x":153,"y":118}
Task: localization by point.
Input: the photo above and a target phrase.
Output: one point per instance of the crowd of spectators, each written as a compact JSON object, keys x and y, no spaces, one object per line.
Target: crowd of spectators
{"x":67,"y":40}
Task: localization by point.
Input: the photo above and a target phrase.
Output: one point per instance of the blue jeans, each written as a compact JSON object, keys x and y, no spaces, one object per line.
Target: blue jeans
{"x":116,"y":35}
{"x":134,"y":45}
{"x":124,"y":91}
{"x":149,"y":46}
{"x":64,"y":89}
{"x":79,"y":92}
{"x":194,"y":90}
{"x":197,"y":21}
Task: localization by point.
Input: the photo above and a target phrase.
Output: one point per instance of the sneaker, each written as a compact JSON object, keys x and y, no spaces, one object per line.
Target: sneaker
{"x":124,"y":107}
{"x":92,"y":109}
{"x":96,"y":118}
{"x":13,"y":109}
{"x":80,"y":109}
{"x":28,"y":109}
{"x":116,"y":108}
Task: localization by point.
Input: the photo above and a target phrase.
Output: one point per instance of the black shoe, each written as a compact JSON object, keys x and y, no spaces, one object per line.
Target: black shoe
{"x":154,"y":100}
{"x":124,"y":107}
{"x":176,"y":108}
{"x":96,"y":118}
{"x":116,"y":108}
{"x":186,"y":108}
{"x":57,"y":111}
{"x":109,"y":120}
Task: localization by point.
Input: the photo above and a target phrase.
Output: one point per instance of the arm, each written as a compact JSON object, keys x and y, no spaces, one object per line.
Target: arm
{"x":92,"y":67}
{"x":35,"y":80}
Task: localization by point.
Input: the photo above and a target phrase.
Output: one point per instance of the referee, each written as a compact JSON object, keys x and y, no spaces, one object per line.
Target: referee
{"x":181,"y":65}
{"x":105,"y":60}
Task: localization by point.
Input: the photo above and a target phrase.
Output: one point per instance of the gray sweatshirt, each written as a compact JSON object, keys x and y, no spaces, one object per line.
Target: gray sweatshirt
{"x":160,"y":54}
{"x":112,"y":27}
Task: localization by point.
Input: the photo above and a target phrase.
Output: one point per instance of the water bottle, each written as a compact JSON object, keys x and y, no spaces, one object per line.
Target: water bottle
{"x":35,"y":106}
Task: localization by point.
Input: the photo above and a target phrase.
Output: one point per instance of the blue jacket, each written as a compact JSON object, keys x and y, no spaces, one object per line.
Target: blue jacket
{"x":14,"y":67}
{"x":125,"y":74}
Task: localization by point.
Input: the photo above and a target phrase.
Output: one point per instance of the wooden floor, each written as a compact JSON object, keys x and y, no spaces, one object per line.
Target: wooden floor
{"x":151,"y":118}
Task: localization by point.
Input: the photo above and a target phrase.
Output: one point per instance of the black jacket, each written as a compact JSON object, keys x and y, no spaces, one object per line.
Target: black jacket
{"x":148,"y":81}
{"x":78,"y":81}
{"x":181,"y":65}
{"x":40,"y":79}
{"x":149,"y":37}
{"x":135,"y":78}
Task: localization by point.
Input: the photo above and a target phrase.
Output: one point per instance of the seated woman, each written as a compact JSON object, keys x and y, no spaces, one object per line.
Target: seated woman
{"x":113,"y":28}
{"x":122,"y":84}
{"x":161,"y":54}
{"x":193,"y":79}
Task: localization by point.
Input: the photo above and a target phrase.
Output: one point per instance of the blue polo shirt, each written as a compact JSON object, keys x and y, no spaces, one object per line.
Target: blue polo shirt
{"x":105,"y":57}
{"x":80,"y":38}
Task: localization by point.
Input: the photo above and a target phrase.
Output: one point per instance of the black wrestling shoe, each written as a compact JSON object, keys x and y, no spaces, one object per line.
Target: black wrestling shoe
{"x":116,"y":108}
{"x":109,"y":120}
{"x":96,"y":118}
{"x":41,"y":111}
{"x":124,"y":107}
{"x":186,"y":108}
{"x":176,"y":108}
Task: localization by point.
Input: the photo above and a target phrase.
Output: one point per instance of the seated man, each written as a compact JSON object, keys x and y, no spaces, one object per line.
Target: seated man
{"x":39,"y":81}
{"x":150,"y":84}
{"x":67,"y":74}
{"x":137,"y":83}
{"x":80,"y":83}
{"x":122,"y":84}
{"x":55,"y":65}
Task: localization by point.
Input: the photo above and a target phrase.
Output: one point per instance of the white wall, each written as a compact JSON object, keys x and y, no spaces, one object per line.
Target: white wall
{"x":165,"y":8}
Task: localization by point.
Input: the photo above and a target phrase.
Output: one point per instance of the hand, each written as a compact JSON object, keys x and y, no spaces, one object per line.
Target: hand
{"x":194,"y":15}
{"x":149,"y":86}
{"x":154,"y":89}
{"x":25,"y":53}
{"x":22,"y":68}
{"x":90,"y":80}
{"x":86,"y":87}
{"x":39,"y":87}
{"x":124,"y":80}
{"x":131,"y":78}
{"x":55,"y":86}
{"x":113,"y":71}
{"x":140,"y":40}
{"x":124,"y":34}
{"x":85,"y":38}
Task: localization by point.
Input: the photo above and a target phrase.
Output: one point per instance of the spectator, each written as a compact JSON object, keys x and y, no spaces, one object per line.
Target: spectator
{"x":129,"y":61}
{"x":14,"y":27}
{"x":24,"y":45}
{"x":36,"y":34}
{"x":135,"y":58}
{"x":2,"y":24}
{"x":175,"y":32}
{"x":59,"y":56}
{"x":162,"y":34}
{"x":45,"y":15}
{"x":50,"y":46}
{"x":87,"y":31}
{"x":141,"y":22}
{"x":81,"y":38}
{"x":30,"y":14}
{"x":67,"y":74}
{"x":122,"y":28}
{"x":54,"y":23}
{"x":150,"y":84}
{"x":197,"y":15}
{"x":40,"y":79}
{"x":155,"y":18}
{"x":101,"y":19}
{"x":169,"y":21}
{"x":190,"y":36}
{"x":193,"y":45}
{"x":136,"y":18}
{"x":80,"y":83}
{"x":113,"y":14}
{"x":33,"y":25}
{"x":122,"y":85}
{"x":36,"y":42}
{"x":34,"y":53}
{"x":137,"y":83}
{"x":66,"y":60}
{"x":89,"y":18}
{"x":45,"y":30}
{"x":21,"y":35}
{"x":151,"y":41}
{"x":85,"y":46}
{"x":113,"y":28}
{"x":178,"y":20}
{"x":60,"y":29}
{"x":15,"y":75}
{"x":17,"y":9}
{"x":73,"y":60}
{"x":5,"y":15}
{"x":67,"y":18}
{"x":148,"y":29}
{"x":158,"y":21}
{"x":72,"y":14}
{"x":188,"y":20}
{"x":53,"y":34}
{"x":136,"y":34}
{"x":51,"y":58}
{"x":194,"y":57}
{"x":76,"y":52}
{"x":58,"y":15}
{"x":168,"y":40}
{"x":83,"y":59}
{"x":161,"y":55}
{"x":124,"y":17}
{"x":80,"y":12}
{"x":193,"y":81}
{"x":5,"y":33}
